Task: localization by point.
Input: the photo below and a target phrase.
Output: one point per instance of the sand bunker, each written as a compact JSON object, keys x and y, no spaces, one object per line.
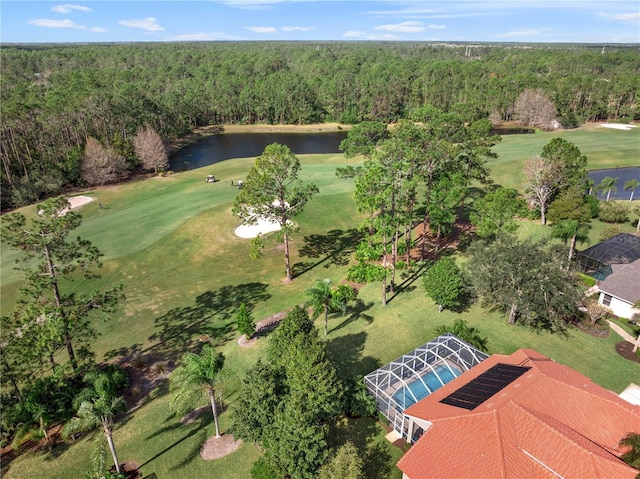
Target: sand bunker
{"x":262,"y":226}
{"x":74,"y":202}
{"x":259,"y":226}
{"x":618,"y":126}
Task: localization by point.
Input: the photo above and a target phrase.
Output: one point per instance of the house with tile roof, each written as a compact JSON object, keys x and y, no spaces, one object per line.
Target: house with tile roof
{"x":518,"y":416}
{"x":621,"y":289}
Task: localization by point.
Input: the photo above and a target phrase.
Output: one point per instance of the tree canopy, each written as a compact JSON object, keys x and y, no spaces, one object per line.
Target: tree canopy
{"x":55,"y":97}
{"x":526,"y":280}
{"x":54,"y":315}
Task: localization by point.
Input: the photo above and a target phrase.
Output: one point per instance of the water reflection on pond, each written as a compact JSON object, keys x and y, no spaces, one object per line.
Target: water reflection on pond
{"x":216,"y":148}
{"x":623,"y":175}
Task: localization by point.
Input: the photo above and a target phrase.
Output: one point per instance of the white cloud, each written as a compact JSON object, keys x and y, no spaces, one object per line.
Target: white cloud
{"x":524,"y":33}
{"x":296,"y":29}
{"x":68,"y":8}
{"x":463,"y":10}
{"x":262,"y":29}
{"x":433,"y":26}
{"x":66,"y":23}
{"x":627,"y":17}
{"x":148,"y":24}
{"x":404,"y":27}
{"x":204,"y":37}
{"x":353,"y":34}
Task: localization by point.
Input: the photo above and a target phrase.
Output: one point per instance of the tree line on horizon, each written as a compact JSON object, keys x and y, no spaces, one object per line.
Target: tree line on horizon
{"x":55,"y":98}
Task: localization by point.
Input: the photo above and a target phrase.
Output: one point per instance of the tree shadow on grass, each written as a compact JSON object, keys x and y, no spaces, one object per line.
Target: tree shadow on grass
{"x":345,"y":352}
{"x":333,"y":248}
{"x":208,"y":321}
{"x":196,"y":428}
{"x":355,"y":312}
{"x":409,"y":277}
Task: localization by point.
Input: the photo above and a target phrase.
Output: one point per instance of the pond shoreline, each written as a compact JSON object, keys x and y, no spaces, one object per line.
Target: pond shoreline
{"x":205,"y":131}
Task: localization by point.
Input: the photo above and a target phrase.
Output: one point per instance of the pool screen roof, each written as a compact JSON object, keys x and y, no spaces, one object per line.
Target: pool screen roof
{"x":620,"y":249}
{"x":413,"y":376}
{"x":479,"y":389}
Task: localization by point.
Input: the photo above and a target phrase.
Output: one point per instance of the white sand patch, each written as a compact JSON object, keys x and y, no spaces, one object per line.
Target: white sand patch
{"x":74,"y":202}
{"x":262,"y":226}
{"x":77,"y":201}
{"x":617,"y":126}
{"x":258,"y":226}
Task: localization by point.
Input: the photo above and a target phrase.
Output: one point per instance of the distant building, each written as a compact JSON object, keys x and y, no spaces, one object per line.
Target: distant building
{"x":519,"y":416}
{"x":621,"y":289}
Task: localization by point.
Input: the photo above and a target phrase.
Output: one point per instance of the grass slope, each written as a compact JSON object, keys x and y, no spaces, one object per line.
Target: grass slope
{"x":170,"y":242}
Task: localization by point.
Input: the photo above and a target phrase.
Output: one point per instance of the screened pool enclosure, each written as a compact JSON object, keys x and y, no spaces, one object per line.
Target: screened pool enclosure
{"x":414,"y":376}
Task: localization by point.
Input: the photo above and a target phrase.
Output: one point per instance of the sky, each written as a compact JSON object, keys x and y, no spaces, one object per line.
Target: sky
{"x":524,"y":21}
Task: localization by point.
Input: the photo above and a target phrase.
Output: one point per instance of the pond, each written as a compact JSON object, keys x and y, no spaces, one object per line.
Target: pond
{"x":216,"y":148}
{"x":623,"y":175}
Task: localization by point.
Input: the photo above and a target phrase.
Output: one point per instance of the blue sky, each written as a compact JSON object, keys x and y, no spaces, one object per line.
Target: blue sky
{"x":603,"y":21}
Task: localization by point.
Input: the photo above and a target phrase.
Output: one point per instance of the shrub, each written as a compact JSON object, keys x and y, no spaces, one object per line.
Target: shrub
{"x":613,"y":212}
{"x":594,"y":204}
{"x":610,"y":231}
{"x":245,"y":322}
{"x":587,"y":280}
{"x":358,"y":401}
{"x":365,"y":252}
{"x":139,"y":361}
{"x":365,"y":273}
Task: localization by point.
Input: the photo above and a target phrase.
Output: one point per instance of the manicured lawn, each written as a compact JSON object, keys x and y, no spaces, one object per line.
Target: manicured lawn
{"x":170,"y":242}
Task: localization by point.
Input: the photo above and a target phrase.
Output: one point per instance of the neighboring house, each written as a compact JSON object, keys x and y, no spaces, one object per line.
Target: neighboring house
{"x":519,"y":416}
{"x":621,"y":289}
{"x":597,"y":260}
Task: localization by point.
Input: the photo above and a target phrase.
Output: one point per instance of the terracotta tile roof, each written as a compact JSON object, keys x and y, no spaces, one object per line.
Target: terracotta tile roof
{"x":550,"y":422}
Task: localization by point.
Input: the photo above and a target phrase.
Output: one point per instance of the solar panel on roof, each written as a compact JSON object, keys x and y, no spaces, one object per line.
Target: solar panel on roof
{"x":478,"y":390}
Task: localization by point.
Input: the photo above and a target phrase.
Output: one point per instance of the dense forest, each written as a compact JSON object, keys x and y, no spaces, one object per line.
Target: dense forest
{"x":56,"y":97}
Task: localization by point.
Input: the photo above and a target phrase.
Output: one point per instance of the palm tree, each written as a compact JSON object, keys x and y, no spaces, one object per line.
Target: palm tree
{"x":95,"y":412}
{"x":37,"y":418}
{"x":570,"y":229}
{"x":199,"y":373}
{"x":607,"y":184}
{"x":467,"y":333}
{"x":588,"y":185}
{"x":631,"y":185}
{"x":323,"y":299}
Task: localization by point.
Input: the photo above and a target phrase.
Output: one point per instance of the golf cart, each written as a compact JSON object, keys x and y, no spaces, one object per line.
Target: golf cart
{"x":210,"y":179}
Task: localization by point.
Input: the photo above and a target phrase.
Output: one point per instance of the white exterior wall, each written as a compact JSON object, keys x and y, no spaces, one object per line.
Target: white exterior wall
{"x":620,"y":307}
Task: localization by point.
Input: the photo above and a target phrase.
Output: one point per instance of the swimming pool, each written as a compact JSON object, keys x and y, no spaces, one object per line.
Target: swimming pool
{"x":404,"y":397}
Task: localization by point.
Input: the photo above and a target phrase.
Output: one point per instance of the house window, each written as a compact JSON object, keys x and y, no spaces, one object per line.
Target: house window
{"x":606,"y":300}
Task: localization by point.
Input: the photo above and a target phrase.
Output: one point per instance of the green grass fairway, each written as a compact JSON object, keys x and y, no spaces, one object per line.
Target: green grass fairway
{"x":604,"y":148}
{"x":170,"y":242}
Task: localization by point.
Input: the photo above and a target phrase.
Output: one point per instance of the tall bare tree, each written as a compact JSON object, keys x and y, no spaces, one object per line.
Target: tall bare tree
{"x":150,"y":148}
{"x":541,"y":183}
{"x":102,"y":164}
{"x":534,"y":108}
